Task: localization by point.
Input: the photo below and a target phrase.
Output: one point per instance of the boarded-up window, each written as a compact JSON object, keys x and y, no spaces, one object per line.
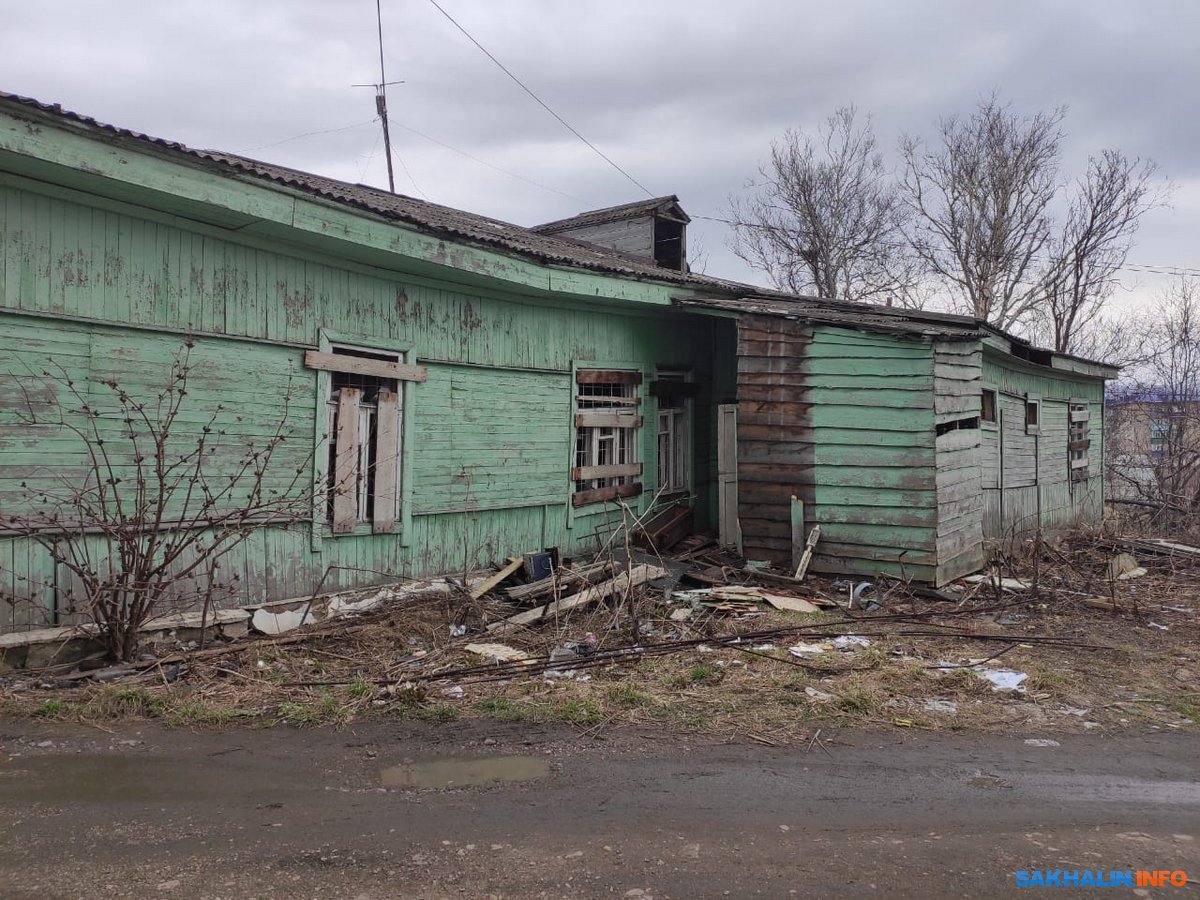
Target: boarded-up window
{"x":987,"y":405}
{"x":363,"y":436}
{"x":606,"y":432}
{"x":1078,"y":442}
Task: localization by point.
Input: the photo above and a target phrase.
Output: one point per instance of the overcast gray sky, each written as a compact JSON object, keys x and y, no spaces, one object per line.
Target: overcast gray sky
{"x":685,"y":96}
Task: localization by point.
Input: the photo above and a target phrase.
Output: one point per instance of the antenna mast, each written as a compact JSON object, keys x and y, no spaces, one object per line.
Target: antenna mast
{"x":381,"y":100}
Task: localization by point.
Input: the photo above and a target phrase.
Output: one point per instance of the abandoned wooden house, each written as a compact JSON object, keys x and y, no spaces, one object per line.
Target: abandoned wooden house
{"x":459,"y":389}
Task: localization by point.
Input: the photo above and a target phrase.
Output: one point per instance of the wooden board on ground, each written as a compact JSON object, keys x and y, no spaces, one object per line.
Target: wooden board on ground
{"x":640,"y":574}
{"x":514,"y":563}
{"x":498,"y":652}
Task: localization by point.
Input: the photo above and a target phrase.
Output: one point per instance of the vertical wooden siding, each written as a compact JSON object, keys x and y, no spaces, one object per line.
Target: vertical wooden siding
{"x":491,"y":427}
{"x":1026,"y":478}
{"x":957,"y":369}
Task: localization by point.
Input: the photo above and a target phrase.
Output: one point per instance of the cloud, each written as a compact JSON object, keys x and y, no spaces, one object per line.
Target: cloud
{"x":685,"y":96}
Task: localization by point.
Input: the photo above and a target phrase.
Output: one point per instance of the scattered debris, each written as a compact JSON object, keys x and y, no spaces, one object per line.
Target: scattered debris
{"x":1124,"y":566}
{"x":514,"y":563}
{"x":849,"y":641}
{"x":1003,"y":679}
{"x":273,"y":623}
{"x":941,"y":706}
{"x":995,"y":581}
{"x":638,"y":575}
{"x":806,"y":557}
{"x":1041,"y":742}
{"x":497,"y":652}
{"x":819,"y":696}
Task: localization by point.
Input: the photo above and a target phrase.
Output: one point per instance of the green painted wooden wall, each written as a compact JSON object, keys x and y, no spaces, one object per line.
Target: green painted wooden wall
{"x":105,"y":292}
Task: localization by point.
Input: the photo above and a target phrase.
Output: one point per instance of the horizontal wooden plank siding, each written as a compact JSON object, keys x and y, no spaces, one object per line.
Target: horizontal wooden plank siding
{"x":775,"y":449}
{"x":844,"y":421}
{"x":873,"y":424}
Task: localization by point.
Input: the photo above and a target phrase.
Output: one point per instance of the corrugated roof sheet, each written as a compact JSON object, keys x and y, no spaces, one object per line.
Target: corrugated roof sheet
{"x":428,"y":217}
{"x":853,"y":315}
{"x":669,"y":205}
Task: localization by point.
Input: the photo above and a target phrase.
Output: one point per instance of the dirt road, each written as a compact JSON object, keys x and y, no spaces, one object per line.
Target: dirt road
{"x":365,"y":812}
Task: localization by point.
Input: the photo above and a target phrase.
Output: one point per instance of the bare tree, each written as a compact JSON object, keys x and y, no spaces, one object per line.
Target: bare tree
{"x":1019,"y":247}
{"x":1103,"y":216}
{"x":826,"y":218}
{"x":161,"y":495}
{"x":980,"y":207}
{"x":1153,"y":420}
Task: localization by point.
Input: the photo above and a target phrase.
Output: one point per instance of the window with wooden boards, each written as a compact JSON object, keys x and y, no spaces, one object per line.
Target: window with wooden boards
{"x":363,"y":435}
{"x":1078,"y":442}
{"x":606,"y":435}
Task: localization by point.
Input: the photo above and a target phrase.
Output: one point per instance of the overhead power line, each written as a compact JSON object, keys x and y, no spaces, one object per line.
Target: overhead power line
{"x":542,"y":103}
{"x":484,"y":162}
{"x":1150,"y":268}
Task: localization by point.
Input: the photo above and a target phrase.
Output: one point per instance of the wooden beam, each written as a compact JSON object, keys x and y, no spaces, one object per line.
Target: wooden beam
{"x":514,"y":563}
{"x":639,"y":575}
{"x":345,"y":472}
{"x":357,"y":365}
{"x":797,"y":510}
{"x":387,"y":457}
{"x":608,"y":376}
{"x":598,"y":495}
{"x":606,"y":420}
{"x":813,"y":537}
{"x":587,"y":473}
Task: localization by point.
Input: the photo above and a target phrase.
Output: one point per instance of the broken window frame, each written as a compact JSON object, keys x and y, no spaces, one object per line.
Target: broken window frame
{"x":376,"y":506}
{"x":674,"y":423}
{"x":606,"y":435}
{"x":1078,"y":440}
{"x":985,"y":395}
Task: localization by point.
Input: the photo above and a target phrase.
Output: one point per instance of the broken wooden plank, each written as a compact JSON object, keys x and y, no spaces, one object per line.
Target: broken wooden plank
{"x":597,"y":495}
{"x":498,"y":652}
{"x":563,"y":578}
{"x":607,"y":420}
{"x":608,"y":376}
{"x":514,"y":563}
{"x":802,"y":568}
{"x":790,"y":604}
{"x":587,"y":473}
{"x":387,"y":461}
{"x":357,"y":365}
{"x":345,"y":469}
{"x":797,"y":510}
{"x":640,"y":574}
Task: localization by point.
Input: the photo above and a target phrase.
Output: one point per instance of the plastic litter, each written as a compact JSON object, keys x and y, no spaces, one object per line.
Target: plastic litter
{"x":1003,"y":679}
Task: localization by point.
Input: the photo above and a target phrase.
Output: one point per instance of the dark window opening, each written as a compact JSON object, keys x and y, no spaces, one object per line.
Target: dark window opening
{"x":1033,"y":416}
{"x":957,"y":425}
{"x":987,"y":406}
{"x":668,"y":244}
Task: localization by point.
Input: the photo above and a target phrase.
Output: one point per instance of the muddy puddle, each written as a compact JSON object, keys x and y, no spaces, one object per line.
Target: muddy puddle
{"x":454,"y":772}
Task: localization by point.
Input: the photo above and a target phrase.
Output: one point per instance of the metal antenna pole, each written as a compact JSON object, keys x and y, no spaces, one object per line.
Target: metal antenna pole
{"x":381,"y":101}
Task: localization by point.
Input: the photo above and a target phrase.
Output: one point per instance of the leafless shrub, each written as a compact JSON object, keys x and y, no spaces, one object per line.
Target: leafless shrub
{"x":161,"y":494}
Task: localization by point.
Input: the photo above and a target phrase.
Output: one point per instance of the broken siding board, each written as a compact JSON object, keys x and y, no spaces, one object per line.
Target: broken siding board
{"x":387,"y":461}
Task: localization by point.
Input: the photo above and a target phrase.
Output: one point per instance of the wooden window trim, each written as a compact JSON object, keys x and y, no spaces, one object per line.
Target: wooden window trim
{"x":356,"y":365}
{"x":608,"y":376}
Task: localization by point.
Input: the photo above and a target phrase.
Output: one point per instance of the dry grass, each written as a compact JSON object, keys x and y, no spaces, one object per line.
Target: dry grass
{"x":387,"y":666}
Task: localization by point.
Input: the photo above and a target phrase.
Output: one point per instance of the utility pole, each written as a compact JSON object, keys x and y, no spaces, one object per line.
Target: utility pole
{"x":381,"y":100}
